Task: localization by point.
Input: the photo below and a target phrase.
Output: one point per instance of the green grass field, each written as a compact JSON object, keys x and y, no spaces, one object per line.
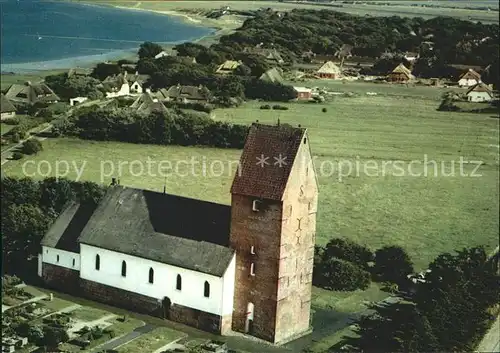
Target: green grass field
{"x":152,"y":341}
{"x":426,"y":215}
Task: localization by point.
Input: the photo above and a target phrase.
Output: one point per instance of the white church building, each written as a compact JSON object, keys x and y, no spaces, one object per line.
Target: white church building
{"x":212,"y":266}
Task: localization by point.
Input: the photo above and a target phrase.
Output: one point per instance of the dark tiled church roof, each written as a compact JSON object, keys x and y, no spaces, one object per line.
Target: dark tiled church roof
{"x":64,"y":232}
{"x":178,"y":231}
{"x":267,"y":181}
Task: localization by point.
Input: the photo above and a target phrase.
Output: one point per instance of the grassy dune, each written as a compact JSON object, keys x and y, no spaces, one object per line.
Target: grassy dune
{"x":427,"y":215}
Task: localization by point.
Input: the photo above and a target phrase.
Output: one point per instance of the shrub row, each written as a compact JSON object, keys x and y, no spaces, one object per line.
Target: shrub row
{"x":171,"y":128}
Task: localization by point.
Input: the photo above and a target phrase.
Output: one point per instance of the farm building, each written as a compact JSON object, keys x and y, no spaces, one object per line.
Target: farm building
{"x":145,"y":103}
{"x":469,"y":78}
{"x":303,"y":93}
{"x":208,"y":265}
{"x":273,"y":75}
{"x":8,"y":109}
{"x":400,"y":74}
{"x":329,"y":70}
{"x":184,"y":94}
{"x":479,"y":93}
{"x":228,"y":67}
{"x":31,"y":93}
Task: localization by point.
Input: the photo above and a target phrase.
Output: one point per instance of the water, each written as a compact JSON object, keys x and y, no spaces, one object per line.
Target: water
{"x":39,"y":35}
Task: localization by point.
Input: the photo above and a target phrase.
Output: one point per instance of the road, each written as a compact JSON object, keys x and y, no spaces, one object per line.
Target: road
{"x":120,"y":341}
{"x":491,"y":342}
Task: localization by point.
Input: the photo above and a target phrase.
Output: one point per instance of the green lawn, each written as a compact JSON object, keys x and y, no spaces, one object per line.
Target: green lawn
{"x":426,"y":215}
{"x":88,"y":314}
{"x":152,"y":341}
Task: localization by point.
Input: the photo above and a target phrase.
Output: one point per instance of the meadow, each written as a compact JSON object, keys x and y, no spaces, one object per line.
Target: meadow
{"x":386,"y":141}
{"x":396,"y":8}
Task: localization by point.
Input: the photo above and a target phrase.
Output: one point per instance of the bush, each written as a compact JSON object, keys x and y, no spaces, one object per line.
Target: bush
{"x":337,"y":274}
{"x":392,"y":264}
{"x":11,"y":121}
{"x":324,"y":110}
{"x":266,"y":106}
{"x":17,"y":156}
{"x":31,"y":146}
{"x":348,"y":250}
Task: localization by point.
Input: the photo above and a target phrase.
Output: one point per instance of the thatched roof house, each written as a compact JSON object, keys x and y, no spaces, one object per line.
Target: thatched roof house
{"x":400,"y":74}
{"x":7,"y":108}
{"x":148,"y":104}
{"x":273,"y":75}
{"x":328,"y":70}
{"x":228,"y":67}
{"x":31,"y":93}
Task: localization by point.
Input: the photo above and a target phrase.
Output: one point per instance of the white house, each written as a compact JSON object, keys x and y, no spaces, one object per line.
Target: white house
{"x":479,"y":93}
{"x":77,"y":100}
{"x":469,"y":78}
{"x":8,"y":109}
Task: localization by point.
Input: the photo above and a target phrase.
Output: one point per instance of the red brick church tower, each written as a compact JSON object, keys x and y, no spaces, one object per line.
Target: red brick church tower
{"x":273,"y":224}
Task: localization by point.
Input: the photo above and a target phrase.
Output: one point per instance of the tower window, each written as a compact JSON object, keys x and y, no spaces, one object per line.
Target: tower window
{"x":97,"y":262}
{"x":57,"y":258}
{"x":256,"y":205}
{"x":252,"y":250}
{"x":252,"y":269}
{"x":151,"y":275}
{"x":206,"y":290}
{"x":124,"y":269}
{"x":178,"y":284}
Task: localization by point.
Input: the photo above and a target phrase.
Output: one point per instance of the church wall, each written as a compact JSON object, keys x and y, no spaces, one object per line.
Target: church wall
{"x":137,"y":279}
{"x":61,"y":278}
{"x":67,"y":259}
{"x":297,"y":248}
{"x":228,"y":288}
{"x":260,"y":229}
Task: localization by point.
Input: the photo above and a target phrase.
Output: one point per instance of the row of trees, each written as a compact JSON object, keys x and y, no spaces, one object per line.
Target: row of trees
{"x":346,"y":266}
{"x":450,"y":311}
{"x":28,"y":207}
{"x":162,"y":128}
{"x":325,"y":32}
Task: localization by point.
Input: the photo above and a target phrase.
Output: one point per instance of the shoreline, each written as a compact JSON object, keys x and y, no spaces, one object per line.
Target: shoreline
{"x":87,"y":61}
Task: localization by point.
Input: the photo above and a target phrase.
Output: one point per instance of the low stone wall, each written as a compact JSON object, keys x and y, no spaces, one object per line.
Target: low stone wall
{"x":69,"y":281}
{"x":121,"y":298}
{"x":200,"y":319}
{"x":61,"y":278}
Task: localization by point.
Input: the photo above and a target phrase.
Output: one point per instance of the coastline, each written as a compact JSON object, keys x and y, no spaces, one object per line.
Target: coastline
{"x":39,"y":67}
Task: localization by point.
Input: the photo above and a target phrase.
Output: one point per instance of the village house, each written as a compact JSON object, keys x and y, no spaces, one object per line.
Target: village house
{"x":147,"y":103}
{"x":303,"y":93}
{"x":469,"y":78}
{"x":78,"y":72}
{"x":400,"y":74}
{"x":479,"y":93}
{"x":228,"y":67}
{"x":273,"y":75}
{"x":245,"y":267}
{"x":31,"y":93}
{"x":8,"y":109}
{"x":124,"y":84}
{"x":329,"y":70}
{"x":184,"y":94}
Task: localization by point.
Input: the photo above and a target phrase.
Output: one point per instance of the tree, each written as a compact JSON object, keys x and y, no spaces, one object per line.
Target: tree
{"x":348,"y":250}
{"x":392,"y":264}
{"x":396,"y":328}
{"x":53,"y":336}
{"x":31,"y":146}
{"x":149,"y":50}
{"x":337,"y":274}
